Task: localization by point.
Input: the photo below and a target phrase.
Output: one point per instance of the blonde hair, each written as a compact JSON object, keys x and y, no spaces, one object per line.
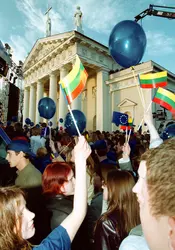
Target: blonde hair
{"x":41,"y":152}
{"x":10,"y":234}
{"x":160,"y":164}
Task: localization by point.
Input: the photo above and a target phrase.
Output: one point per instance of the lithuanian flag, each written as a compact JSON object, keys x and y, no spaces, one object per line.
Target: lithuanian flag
{"x":125,"y":127}
{"x":129,"y":124}
{"x":155,"y":80}
{"x":75,"y":81}
{"x":165,"y":98}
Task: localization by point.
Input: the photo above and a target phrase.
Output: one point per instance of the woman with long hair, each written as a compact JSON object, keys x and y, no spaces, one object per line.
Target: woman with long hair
{"x":122,"y":214}
{"x":16,"y":221}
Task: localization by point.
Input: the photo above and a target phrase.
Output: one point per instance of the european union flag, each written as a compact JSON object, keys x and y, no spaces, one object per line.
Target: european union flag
{"x":119,"y":118}
{"x":4,"y":136}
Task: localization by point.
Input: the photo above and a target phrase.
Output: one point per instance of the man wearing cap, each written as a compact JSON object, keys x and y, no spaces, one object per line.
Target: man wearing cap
{"x":18,"y":155}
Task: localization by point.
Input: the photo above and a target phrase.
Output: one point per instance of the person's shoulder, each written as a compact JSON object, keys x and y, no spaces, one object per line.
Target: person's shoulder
{"x":30,"y":168}
{"x":57,"y":239}
{"x":133,"y":242}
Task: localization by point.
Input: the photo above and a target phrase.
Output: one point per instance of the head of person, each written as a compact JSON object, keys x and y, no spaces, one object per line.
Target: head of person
{"x":17,"y":152}
{"x":18,"y":127}
{"x":121,"y":200}
{"x":41,"y":152}
{"x":36,"y":131}
{"x":58,"y":178}
{"x":120,"y":143}
{"x":100,"y":148}
{"x":16,"y":221}
{"x":155,"y":192}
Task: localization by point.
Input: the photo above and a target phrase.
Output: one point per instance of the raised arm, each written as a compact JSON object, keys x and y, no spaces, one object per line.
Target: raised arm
{"x":72,"y":223}
{"x":155,"y":139}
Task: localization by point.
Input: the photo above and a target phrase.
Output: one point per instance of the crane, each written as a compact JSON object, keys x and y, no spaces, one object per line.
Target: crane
{"x":151,"y":11}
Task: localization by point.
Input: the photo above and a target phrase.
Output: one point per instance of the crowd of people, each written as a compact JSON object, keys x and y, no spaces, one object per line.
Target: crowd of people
{"x":98,"y":191}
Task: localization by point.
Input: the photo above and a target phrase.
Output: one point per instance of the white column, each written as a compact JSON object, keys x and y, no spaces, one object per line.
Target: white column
{"x":32,"y":103}
{"x":113,"y":109}
{"x":53,"y":96}
{"x":103,"y":112}
{"x":76,"y":104}
{"x":39,"y":96}
{"x":26,"y":105}
{"x":63,"y":110}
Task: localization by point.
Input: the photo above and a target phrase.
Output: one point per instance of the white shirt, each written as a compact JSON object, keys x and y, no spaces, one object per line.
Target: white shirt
{"x":134,"y":242}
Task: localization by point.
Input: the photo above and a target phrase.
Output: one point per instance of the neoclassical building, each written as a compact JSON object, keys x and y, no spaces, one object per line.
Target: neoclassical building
{"x":51,"y":59}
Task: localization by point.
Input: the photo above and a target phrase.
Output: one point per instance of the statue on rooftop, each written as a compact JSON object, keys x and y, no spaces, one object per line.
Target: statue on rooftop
{"x":48,"y":23}
{"x":78,"y":18}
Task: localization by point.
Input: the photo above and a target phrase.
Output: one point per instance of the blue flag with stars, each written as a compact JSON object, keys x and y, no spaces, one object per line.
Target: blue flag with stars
{"x":119,"y":118}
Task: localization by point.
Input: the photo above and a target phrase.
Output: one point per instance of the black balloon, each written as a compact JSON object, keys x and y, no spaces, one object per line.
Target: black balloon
{"x":80,"y":121}
{"x":46,"y":108}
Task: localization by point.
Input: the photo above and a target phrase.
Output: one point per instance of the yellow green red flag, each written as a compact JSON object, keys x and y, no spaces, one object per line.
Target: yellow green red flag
{"x":153,"y":80}
{"x":165,"y":98}
{"x":73,"y":84}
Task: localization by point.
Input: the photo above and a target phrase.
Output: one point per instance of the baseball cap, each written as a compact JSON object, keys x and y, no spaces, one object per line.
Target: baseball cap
{"x":100,"y":144}
{"x":20,"y":145}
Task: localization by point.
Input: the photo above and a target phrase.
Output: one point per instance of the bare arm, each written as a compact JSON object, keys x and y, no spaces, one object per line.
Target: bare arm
{"x":73,"y":221}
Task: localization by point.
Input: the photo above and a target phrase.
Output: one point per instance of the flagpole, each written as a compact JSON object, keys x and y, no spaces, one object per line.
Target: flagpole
{"x":126,"y":135}
{"x":73,"y":118}
{"x":149,"y":106}
{"x":138,"y":88}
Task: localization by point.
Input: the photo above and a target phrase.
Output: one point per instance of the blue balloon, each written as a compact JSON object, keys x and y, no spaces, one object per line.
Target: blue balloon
{"x":28,"y":121}
{"x":127,"y":43}
{"x":32,"y":124}
{"x":61,"y":120}
{"x":168,"y":132}
{"x":80,"y":120}
{"x":46,"y":108}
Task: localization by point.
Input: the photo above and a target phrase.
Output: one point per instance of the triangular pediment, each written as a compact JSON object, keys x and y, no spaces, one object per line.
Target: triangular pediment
{"x":43,"y":47}
{"x":126,"y":103}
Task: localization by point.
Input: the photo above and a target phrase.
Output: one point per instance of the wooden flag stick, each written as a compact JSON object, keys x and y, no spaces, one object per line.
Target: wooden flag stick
{"x":73,"y":118}
{"x":126,"y":135}
{"x":64,"y":148}
{"x":139,"y":89}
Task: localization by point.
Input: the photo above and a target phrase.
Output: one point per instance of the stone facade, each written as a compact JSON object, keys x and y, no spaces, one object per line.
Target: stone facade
{"x":51,"y":59}
{"x":125,"y":96}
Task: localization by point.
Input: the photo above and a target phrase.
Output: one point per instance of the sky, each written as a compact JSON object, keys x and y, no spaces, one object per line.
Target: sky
{"x":22,"y":22}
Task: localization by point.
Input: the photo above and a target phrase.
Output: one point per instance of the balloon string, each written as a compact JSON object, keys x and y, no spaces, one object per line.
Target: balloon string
{"x":73,"y":118}
{"x":138,"y":88}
